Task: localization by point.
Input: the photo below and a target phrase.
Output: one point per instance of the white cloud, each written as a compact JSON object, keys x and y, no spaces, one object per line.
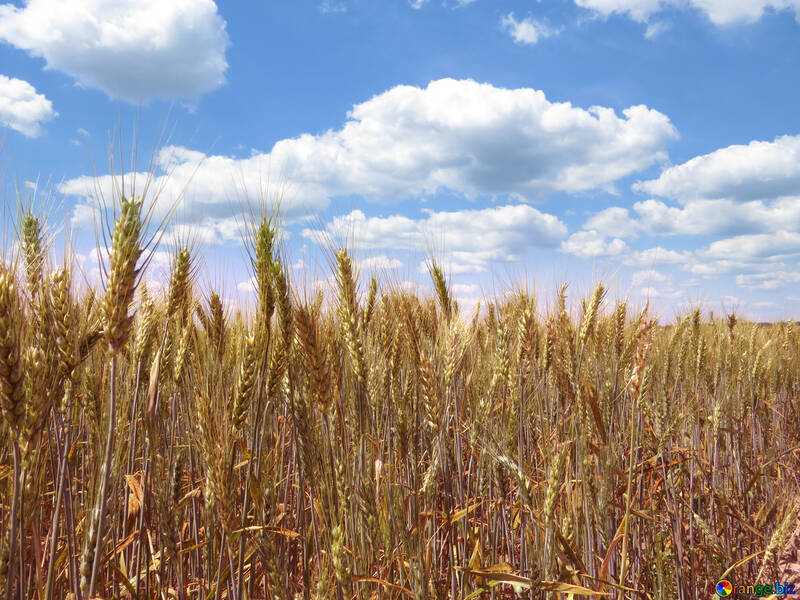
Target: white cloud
{"x":330,"y":6}
{"x":656,"y":256}
{"x":475,"y":139}
{"x":768,"y":281}
{"x":526,"y":31}
{"x":720,"y":12}
{"x":653,"y":292}
{"x":740,"y":193}
{"x":84,"y":216}
{"x":22,"y":108}
{"x":714,"y":268}
{"x":207,"y":190}
{"x":465,"y":289}
{"x":380,"y":262}
{"x":718,"y":217}
{"x":614,"y":221}
{"x":654,"y":284}
{"x":472,"y":139}
{"x":203,"y":233}
{"x":757,"y":259}
{"x":94,"y":267}
{"x":756,"y":171}
{"x":468,"y":296}
{"x":590,"y":244}
{"x":655,"y":29}
{"x":647,"y":277}
{"x":133,"y":49}
{"x":411,"y":287}
{"x":471,"y":239}
{"x":764,"y":304}
{"x":756,"y":246}
{"x":248,"y":286}
{"x":638,"y":10}
{"x":700,"y":217}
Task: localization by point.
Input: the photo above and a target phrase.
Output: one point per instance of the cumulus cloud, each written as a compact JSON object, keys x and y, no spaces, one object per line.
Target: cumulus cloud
{"x":702,"y":217}
{"x":475,"y":139}
{"x":758,"y":246}
{"x":614,"y":221}
{"x":656,"y":256}
{"x":638,"y":10}
{"x":526,"y":31}
{"x":744,"y":194}
{"x":718,"y":217}
{"x":653,"y":292}
{"x":714,"y":268}
{"x":720,"y":12}
{"x":472,"y":239}
{"x":647,"y":277}
{"x":204,"y":232}
{"x":654,"y":284}
{"x":472,"y":139}
{"x":84,"y":216}
{"x":22,"y":108}
{"x":210,"y":191}
{"x":93,"y":266}
{"x":756,"y":171}
{"x":769,"y":281}
{"x":135,"y":50}
{"x":465,"y":289}
{"x":741,"y":193}
{"x":752,"y":252}
{"x":591,"y":244}
{"x":759,"y":259}
{"x":248,"y":286}
{"x":380,"y":262}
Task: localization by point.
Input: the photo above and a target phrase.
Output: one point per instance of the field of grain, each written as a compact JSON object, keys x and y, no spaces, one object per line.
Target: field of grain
{"x":379,"y":444}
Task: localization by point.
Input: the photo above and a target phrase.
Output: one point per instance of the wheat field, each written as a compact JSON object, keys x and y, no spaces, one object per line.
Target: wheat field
{"x":377,"y":443}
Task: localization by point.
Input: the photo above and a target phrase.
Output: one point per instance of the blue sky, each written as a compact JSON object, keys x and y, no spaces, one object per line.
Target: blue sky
{"x":651,"y":144}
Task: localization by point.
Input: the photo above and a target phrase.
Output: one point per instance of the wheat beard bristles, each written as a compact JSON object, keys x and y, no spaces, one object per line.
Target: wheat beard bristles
{"x":179,"y":284}
{"x":217,"y":322}
{"x":125,"y":252}
{"x":440,"y":283}
{"x":318,"y":375}
{"x":63,"y":321}
{"x":12,"y":391}
{"x":619,"y":327}
{"x":348,"y":313}
{"x":280,"y":356}
{"x":145,"y":328}
{"x":265,"y":238}
{"x":590,"y":317}
{"x":370,"y":307}
{"x":245,"y":384}
{"x":32,"y":251}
